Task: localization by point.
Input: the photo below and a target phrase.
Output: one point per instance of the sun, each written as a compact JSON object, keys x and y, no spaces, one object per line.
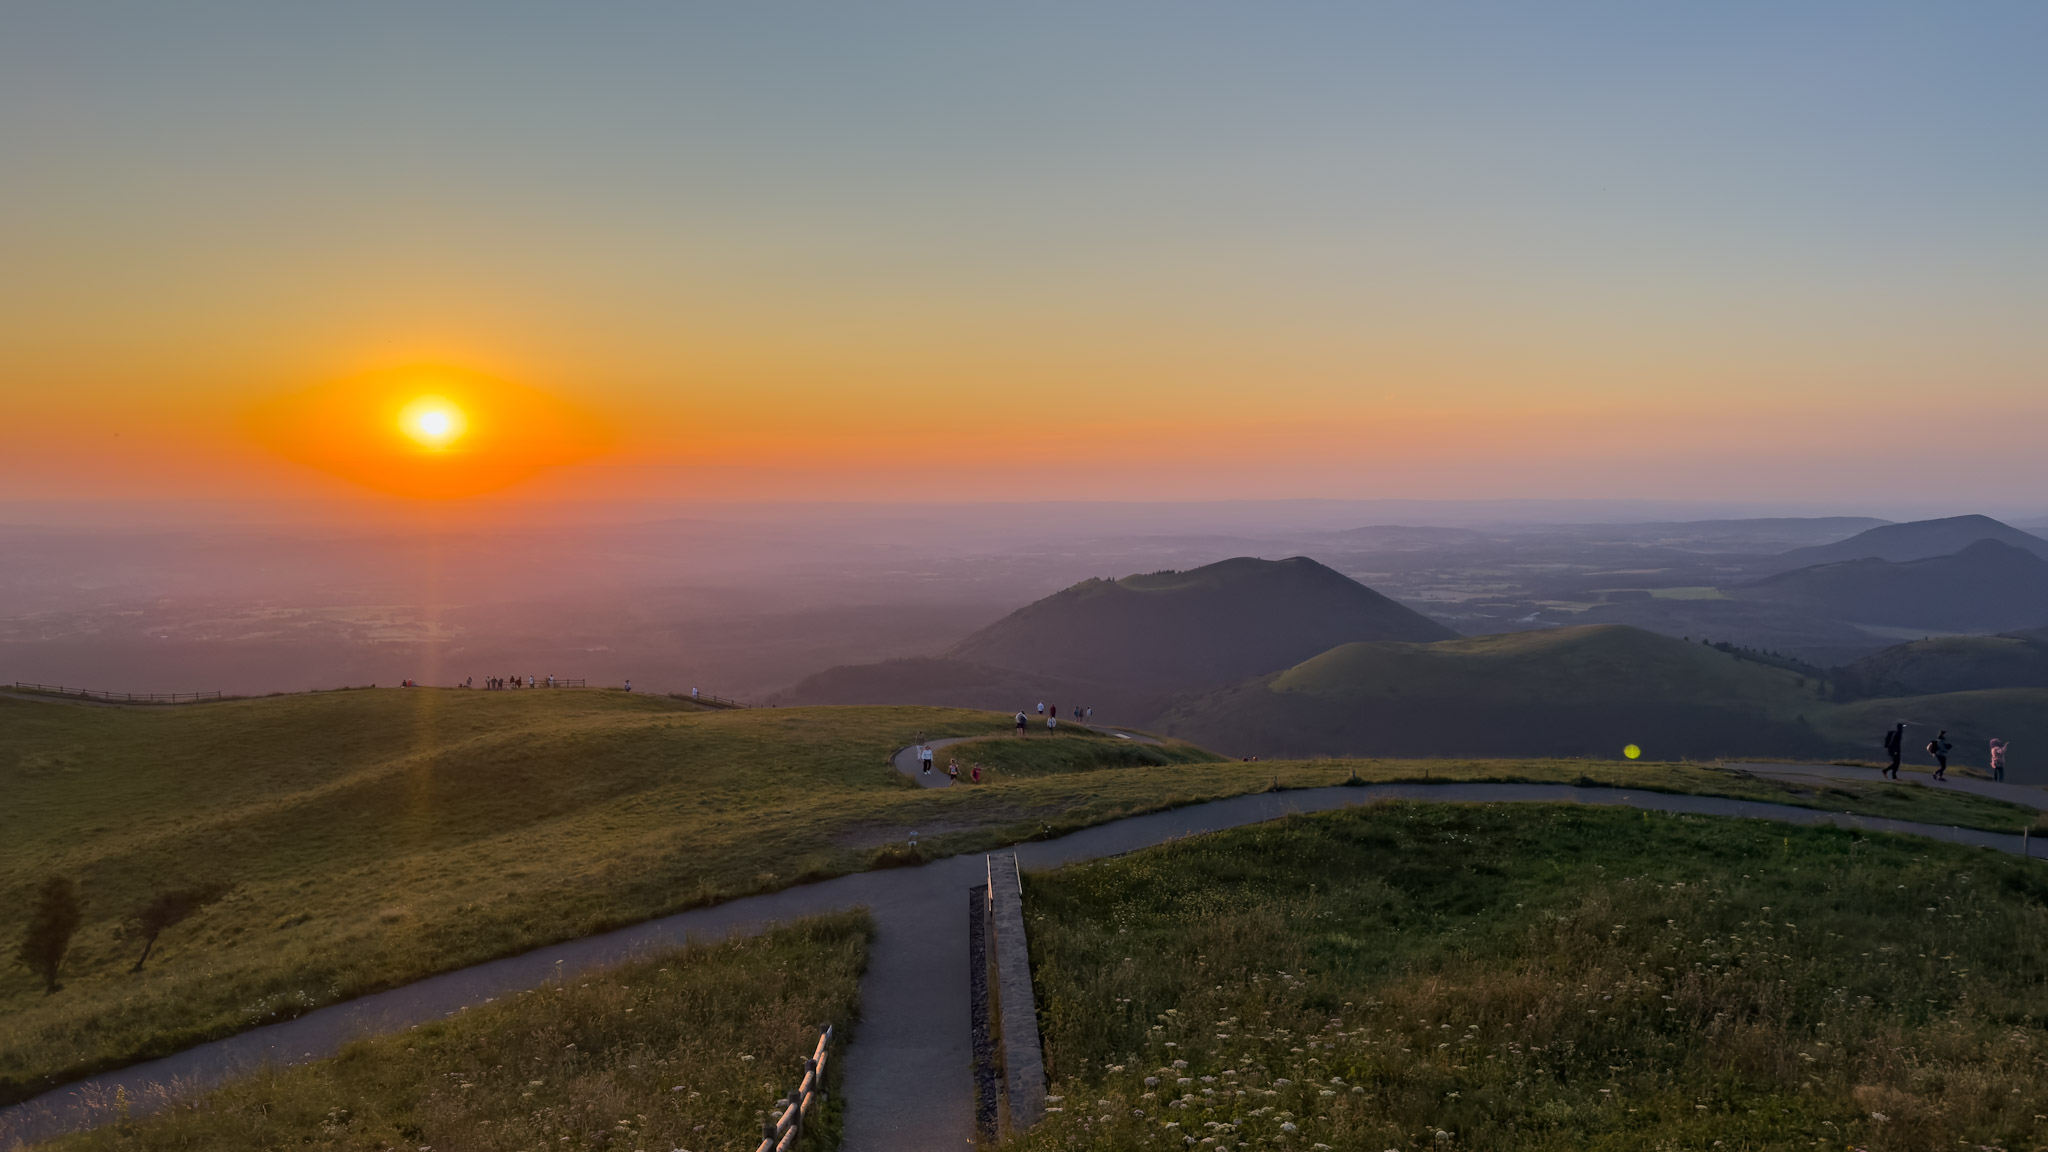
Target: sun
{"x":433,"y":422}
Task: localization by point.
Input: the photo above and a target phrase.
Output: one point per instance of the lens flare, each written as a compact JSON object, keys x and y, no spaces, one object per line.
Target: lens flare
{"x":1631,"y":751}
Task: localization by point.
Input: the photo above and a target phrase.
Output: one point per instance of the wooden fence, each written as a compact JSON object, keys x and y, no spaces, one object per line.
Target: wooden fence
{"x":781,"y":1131}
{"x":118,"y":697}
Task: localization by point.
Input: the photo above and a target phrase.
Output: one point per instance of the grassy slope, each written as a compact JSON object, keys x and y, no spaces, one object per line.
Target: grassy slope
{"x":593,"y":1065}
{"x":375,"y":837}
{"x":1585,"y":692}
{"x":1568,"y":691}
{"x":1411,"y":976}
{"x":1086,"y":751}
{"x":381,"y":835}
{"x":1951,"y":664}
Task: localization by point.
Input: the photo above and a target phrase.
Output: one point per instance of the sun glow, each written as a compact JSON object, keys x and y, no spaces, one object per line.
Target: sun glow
{"x":429,"y":432}
{"x":434,"y":422}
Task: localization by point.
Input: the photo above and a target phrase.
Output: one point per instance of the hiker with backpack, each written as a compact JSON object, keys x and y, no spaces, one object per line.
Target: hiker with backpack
{"x":1894,"y":744}
{"x":1939,"y":748}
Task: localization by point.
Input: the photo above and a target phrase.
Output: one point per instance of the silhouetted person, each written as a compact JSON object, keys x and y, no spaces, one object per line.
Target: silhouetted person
{"x":1939,"y":747}
{"x":1997,"y":758}
{"x":1894,"y":743}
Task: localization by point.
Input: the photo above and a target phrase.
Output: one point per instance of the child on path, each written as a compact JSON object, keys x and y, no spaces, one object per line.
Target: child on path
{"x":1997,"y":758}
{"x":952,"y":771}
{"x":1940,"y":746}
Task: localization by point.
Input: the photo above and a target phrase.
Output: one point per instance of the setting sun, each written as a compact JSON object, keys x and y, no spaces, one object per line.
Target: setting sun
{"x":435,"y":422}
{"x":458,"y":433}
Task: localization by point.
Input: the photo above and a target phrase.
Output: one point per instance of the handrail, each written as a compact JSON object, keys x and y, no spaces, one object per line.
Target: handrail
{"x":117,"y":697}
{"x":781,"y":1132}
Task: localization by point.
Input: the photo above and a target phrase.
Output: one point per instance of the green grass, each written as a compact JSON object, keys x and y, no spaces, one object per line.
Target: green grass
{"x":374,"y":837}
{"x":1908,"y":799}
{"x":1074,"y":749}
{"x":1559,"y":666}
{"x":1554,"y":977}
{"x":681,"y":1050}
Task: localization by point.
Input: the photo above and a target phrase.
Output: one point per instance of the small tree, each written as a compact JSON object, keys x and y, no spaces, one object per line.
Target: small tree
{"x":168,"y":910}
{"x":52,"y":921}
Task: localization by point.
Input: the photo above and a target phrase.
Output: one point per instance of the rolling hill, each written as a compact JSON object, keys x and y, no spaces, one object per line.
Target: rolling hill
{"x":1949,"y":664}
{"x":1566,"y":692}
{"x":1132,"y":642}
{"x":1917,"y":540}
{"x":374,"y":836}
{"x":1988,"y":586}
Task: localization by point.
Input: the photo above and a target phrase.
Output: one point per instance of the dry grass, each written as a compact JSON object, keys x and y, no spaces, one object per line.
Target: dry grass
{"x":685,"y":1050}
{"x":1448,"y":977}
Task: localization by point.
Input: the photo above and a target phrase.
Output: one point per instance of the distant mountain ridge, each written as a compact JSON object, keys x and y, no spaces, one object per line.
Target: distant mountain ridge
{"x":1987,"y":586}
{"x":1917,"y":540}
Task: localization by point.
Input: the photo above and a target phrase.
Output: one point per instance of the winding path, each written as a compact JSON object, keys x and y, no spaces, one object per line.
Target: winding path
{"x":908,"y":1083}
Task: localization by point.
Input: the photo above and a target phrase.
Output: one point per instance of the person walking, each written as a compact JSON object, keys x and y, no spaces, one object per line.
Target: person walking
{"x":1041,"y":707}
{"x":1997,"y":758}
{"x":953,"y":771}
{"x":977,"y":772}
{"x":1939,"y":747}
{"x":1894,"y":743}
{"x":924,"y":759}
{"x":1020,"y":722}
{"x":1052,"y":721}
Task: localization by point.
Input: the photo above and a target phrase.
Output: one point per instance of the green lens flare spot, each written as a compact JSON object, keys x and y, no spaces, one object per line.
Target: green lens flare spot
{"x":1632,"y":752}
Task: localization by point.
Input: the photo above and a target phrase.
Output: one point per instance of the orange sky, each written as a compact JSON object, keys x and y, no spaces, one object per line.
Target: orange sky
{"x":974,"y":257}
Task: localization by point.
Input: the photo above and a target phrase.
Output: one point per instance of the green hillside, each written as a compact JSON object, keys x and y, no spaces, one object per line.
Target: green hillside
{"x":375,"y":836}
{"x":1565,"y":692}
{"x":1948,"y":664}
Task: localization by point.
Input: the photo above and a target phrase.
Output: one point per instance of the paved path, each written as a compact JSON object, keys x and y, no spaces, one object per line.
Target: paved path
{"x":2025,"y":795}
{"x":909,"y":1086}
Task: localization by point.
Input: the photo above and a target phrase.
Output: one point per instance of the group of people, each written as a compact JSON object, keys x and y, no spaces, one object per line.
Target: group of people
{"x":1939,"y":748}
{"x":496,"y":683}
{"x":1052,"y":716}
{"x":924,"y":765}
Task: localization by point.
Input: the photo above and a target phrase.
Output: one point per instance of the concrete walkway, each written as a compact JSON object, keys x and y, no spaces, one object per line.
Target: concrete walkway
{"x":909,"y":1084}
{"x":2025,"y":795}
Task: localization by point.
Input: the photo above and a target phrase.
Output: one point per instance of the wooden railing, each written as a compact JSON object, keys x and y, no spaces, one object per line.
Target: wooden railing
{"x":118,"y":697}
{"x":784,"y":1127}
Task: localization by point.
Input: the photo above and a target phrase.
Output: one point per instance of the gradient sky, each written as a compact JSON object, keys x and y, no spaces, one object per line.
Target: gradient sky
{"x":1134,"y":251}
